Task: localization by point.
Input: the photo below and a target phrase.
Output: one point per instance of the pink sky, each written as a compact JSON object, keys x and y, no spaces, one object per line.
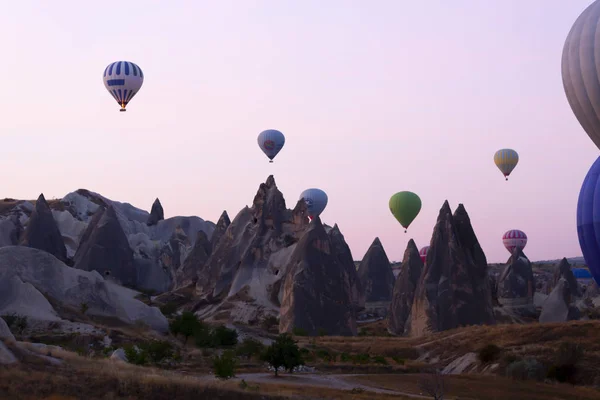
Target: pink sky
{"x":373,"y":97}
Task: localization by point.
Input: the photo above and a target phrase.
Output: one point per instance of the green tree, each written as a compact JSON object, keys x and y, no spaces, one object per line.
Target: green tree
{"x":250,"y":347}
{"x":223,"y":336}
{"x":185,"y":324}
{"x":224,"y":365}
{"x":283,"y":352}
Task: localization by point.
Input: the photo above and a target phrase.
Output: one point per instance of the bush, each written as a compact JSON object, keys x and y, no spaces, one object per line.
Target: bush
{"x":135,"y":355}
{"x":16,"y":323}
{"x":526,"y":369}
{"x":488,"y":353}
{"x":283,"y":352}
{"x":224,"y":365}
{"x":159,"y":350}
{"x":565,"y":368}
{"x":345,"y":357}
{"x":168,"y":309}
{"x":299,"y":331}
{"x":380,"y":360}
{"x":249,"y":348}
{"x":223,"y":336}
{"x":203,"y":335}
{"x":322,"y":332}
{"x":186,"y":324}
{"x":84,"y":308}
{"x":399,"y":360}
{"x":362,"y":358}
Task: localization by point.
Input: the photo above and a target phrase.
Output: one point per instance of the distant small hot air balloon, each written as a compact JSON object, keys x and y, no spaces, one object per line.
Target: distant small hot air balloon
{"x":506,"y":160}
{"x":514,"y":239}
{"x":423,"y":253}
{"x":123,"y":79}
{"x":316,"y":201}
{"x":405,"y":207}
{"x":271,"y":142}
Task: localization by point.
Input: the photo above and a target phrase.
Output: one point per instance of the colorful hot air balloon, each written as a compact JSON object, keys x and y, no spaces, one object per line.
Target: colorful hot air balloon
{"x":123,"y":79}
{"x":405,"y":207}
{"x":506,"y":160}
{"x":271,"y":142}
{"x":316,"y":201}
{"x":588,"y":219}
{"x":514,"y":239}
{"x":580,"y":66}
{"x":423,"y":253}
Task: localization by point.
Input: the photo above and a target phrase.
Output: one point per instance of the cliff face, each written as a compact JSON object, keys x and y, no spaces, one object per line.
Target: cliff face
{"x":375,"y":274}
{"x":454,"y":289}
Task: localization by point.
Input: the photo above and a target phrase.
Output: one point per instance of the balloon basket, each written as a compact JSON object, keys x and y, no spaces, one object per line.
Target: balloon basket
{"x":122,"y":110}
{"x":271,"y":161}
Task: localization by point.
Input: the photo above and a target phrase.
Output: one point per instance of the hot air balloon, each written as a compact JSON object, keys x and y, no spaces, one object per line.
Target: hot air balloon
{"x":271,"y":142}
{"x":123,"y":79}
{"x":506,"y":160}
{"x":423,"y":253}
{"x":580,"y":66}
{"x":405,"y":207}
{"x":514,"y":239}
{"x":588,"y":219}
{"x":316,"y":201}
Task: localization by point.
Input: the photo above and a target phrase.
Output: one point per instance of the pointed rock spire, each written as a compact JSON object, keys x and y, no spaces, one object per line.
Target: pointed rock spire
{"x":42,"y":231}
{"x":222,"y":225}
{"x":156,"y":213}
{"x":404,"y":289}
{"x":563,"y":270}
{"x":375,"y":274}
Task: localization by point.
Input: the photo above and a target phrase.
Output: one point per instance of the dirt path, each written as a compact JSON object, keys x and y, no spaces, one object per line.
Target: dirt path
{"x":333,"y":381}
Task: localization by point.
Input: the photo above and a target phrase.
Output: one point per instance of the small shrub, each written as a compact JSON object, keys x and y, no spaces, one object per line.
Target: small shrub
{"x":322,"y":332}
{"x":250,"y":348}
{"x":345,"y":357}
{"x":398,"y":360}
{"x":84,"y":308}
{"x":168,"y":309}
{"x":16,"y":323}
{"x":299,"y":331}
{"x":223,"y":336}
{"x":488,"y":353}
{"x":186,"y":324}
{"x":380,"y":360}
{"x":135,"y":355}
{"x":362,"y":358}
{"x":203,"y":335}
{"x":159,"y":350}
{"x":224,"y":365}
{"x":526,"y":369}
{"x":510,"y":358}
{"x":565,"y":368}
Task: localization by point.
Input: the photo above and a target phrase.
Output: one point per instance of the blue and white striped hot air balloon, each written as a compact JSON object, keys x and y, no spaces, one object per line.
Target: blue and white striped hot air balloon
{"x":316,"y":201}
{"x":123,"y":79}
{"x":271,"y":142}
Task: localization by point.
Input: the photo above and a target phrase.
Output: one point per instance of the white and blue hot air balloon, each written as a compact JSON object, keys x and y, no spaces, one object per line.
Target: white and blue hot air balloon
{"x":316,"y":201}
{"x":123,"y":79}
{"x":271,"y":142}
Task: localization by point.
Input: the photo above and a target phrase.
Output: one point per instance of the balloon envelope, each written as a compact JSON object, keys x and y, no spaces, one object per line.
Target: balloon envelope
{"x":271,"y":142}
{"x":580,"y":67}
{"x":423,"y":253}
{"x":506,"y":160}
{"x":316,"y":201}
{"x":123,"y":79}
{"x":405,"y":207}
{"x":588,"y":219}
{"x":514,"y":239}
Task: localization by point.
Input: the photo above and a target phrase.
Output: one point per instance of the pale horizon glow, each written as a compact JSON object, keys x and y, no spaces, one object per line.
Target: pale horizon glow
{"x":373,"y":98}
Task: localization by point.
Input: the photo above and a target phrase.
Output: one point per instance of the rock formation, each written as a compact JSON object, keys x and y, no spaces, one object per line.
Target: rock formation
{"x":43,"y":233}
{"x":316,"y":295}
{"x":104,"y":248}
{"x":375,"y":274}
{"x":341,"y":250}
{"x":29,"y":278}
{"x":454,"y":288}
{"x":156,"y":213}
{"x":558,"y":306}
{"x":404,"y":289}
{"x":516,"y":284}
{"x":222,"y":225}
{"x":563,"y":270}
{"x":187,"y":273}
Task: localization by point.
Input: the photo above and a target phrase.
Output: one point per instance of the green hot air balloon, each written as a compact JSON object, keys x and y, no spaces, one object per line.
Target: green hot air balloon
{"x":405,"y":207}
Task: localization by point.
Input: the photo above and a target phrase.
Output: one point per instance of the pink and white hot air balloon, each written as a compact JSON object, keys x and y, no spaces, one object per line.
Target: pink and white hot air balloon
{"x":514,"y":239}
{"x":423,"y":253}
